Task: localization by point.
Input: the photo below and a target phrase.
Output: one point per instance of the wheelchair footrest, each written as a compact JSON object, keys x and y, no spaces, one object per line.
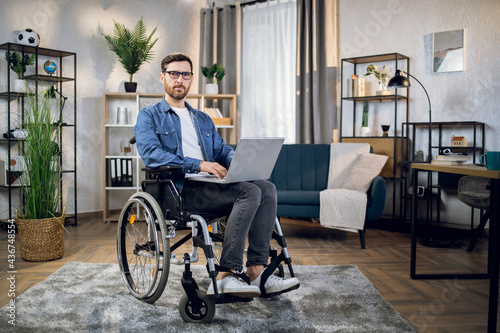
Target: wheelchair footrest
{"x":263,"y":295}
{"x":226,"y":298}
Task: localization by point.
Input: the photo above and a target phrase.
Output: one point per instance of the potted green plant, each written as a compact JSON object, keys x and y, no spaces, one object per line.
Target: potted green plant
{"x":419,"y":156}
{"x":18,"y":64}
{"x":39,"y":220}
{"x":132,"y":47}
{"x":364,"y":122}
{"x":214,"y":74}
{"x":382,"y":79}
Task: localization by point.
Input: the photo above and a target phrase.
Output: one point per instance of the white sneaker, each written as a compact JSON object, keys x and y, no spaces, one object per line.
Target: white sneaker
{"x":234,"y":286}
{"x":276,"y":284}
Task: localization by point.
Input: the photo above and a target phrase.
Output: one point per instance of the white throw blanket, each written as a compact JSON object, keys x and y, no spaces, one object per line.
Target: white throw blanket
{"x":341,"y":208}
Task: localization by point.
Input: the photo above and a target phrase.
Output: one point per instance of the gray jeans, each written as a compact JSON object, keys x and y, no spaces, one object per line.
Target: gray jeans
{"x":252,"y":211}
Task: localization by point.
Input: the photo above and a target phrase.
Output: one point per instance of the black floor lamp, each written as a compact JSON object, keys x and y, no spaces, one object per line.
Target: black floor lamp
{"x":400,"y":81}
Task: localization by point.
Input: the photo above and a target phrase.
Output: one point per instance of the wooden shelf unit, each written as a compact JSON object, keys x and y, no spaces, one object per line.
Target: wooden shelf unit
{"x":114,"y":133}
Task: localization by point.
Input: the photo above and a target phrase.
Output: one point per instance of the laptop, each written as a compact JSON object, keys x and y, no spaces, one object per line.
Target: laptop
{"x":253,"y":159}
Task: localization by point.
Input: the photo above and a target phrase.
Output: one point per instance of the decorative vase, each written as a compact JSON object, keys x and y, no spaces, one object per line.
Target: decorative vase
{"x":382,"y":87}
{"x":385,"y":129}
{"x":130,"y":86}
{"x":41,"y":240}
{"x":365,"y":131}
{"x":211,"y":89}
{"x":19,"y":86}
{"x":122,"y":116}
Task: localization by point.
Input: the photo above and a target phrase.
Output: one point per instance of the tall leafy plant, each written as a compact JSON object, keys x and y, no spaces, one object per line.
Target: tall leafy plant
{"x":40,"y":184}
{"x":132,"y":47}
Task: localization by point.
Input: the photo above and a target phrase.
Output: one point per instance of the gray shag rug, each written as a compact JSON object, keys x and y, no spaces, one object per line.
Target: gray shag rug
{"x":82,"y":297}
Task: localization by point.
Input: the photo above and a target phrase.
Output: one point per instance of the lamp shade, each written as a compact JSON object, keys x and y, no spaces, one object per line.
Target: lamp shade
{"x":399,"y":81}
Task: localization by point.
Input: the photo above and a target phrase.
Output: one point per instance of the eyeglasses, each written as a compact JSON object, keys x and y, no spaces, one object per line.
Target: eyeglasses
{"x":175,"y":75}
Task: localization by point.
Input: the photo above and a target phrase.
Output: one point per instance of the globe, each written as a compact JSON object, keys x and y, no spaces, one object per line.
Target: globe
{"x":50,"y":67}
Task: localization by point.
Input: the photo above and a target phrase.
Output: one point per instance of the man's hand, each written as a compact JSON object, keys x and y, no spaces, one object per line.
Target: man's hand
{"x":214,"y":168}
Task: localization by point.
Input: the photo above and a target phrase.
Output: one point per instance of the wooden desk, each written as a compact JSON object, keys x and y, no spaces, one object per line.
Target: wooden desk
{"x":493,"y":247}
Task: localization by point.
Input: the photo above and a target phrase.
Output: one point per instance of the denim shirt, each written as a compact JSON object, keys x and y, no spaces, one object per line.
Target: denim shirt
{"x":159,"y":140}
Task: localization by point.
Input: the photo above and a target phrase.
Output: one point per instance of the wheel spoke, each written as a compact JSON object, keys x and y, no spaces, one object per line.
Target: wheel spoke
{"x":139,"y":246}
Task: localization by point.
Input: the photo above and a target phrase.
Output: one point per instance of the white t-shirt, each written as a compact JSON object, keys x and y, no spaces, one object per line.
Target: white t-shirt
{"x":190,"y":143}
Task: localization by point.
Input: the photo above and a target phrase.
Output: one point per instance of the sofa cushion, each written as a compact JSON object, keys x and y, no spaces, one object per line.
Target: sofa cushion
{"x":365,"y":168}
{"x":342,"y":159}
{"x":302,"y":167}
{"x":298,"y":197}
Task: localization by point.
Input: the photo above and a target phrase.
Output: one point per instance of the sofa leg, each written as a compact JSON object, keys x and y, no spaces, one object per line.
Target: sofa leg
{"x":362,"y":238}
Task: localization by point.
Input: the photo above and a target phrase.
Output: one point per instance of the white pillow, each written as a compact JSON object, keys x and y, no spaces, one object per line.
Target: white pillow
{"x":342,"y":157}
{"x":365,"y":168}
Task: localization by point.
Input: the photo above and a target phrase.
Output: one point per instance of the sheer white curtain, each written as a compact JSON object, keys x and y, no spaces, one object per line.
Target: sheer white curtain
{"x":268,"y":70}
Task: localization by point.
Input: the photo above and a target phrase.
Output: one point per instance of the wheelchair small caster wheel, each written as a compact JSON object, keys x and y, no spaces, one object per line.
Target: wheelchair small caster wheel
{"x":204,"y":315}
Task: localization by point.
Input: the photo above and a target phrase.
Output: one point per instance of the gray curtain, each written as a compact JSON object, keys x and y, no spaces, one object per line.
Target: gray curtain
{"x":226,"y":45}
{"x":317,"y":65}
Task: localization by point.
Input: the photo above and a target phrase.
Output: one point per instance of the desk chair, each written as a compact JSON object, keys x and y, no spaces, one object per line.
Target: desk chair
{"x":474,"y":191}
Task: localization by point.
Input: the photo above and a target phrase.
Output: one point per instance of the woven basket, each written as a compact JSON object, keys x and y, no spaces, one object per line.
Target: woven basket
{"x":41,"y":240}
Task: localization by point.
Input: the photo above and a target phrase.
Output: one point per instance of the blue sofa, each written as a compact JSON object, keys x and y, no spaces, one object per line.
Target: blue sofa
{"x":301,"y":173}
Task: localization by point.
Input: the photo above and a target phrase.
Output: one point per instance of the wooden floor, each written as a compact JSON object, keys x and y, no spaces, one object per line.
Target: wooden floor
{"x":429,"y":305}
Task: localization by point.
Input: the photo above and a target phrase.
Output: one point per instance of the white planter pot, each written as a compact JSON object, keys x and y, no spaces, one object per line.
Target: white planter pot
{"x":18,"y":86}
{"x":365,"y":131}
{"x":211,"y":89}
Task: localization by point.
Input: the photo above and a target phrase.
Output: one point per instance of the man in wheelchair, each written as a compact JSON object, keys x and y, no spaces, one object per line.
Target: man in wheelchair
{"x":171,"y":132}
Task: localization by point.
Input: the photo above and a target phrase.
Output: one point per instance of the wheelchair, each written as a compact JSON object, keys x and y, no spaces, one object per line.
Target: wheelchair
{"x":147,"y":225}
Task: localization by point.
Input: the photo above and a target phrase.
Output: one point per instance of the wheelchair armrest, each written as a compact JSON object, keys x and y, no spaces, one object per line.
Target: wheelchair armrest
{"x":161,"y":169}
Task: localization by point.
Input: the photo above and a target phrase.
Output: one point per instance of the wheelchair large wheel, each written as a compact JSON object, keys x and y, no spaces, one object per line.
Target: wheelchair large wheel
{"x":205,"y":313}
{"x":143,"y":249}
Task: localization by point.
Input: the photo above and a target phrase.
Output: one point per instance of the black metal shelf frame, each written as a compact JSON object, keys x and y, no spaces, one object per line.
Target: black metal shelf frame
{"x":477,"y":148}
{"x":58,"y":80}
{"x":395,"y":98}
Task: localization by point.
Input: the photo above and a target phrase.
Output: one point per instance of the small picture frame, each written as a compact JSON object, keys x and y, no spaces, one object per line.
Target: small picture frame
{"x":448,"y":51}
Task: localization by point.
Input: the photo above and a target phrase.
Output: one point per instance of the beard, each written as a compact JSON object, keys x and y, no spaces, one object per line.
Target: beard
{"x":179,"y":94}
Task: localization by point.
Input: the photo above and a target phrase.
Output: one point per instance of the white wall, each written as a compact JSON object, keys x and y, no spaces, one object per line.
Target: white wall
{"x":365,"y":27}
{"x":406,"y":26}
{"x":72,"y":25}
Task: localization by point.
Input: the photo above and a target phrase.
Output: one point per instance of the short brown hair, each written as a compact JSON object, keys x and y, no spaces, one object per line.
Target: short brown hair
{"x":173,"y":57}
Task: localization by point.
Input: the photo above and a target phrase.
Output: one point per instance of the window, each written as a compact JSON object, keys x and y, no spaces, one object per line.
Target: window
{"x":268,"y":75}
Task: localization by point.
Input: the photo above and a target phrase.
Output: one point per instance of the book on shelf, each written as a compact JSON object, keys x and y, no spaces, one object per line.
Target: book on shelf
{"x":213,"y":112}
{"x":112,"y":167}
{"x":129,"y":172}
{"x":458,"y":158}
{"x":119,"y":172}
{"x":448,"y":162}
{"x":124,"y":172}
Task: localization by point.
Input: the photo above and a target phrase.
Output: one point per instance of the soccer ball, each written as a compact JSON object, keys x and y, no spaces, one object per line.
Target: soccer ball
{"x":28,"y":37}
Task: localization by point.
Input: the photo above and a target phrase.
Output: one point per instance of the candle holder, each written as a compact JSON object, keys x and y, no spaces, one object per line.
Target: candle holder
{"x":385,"y":129}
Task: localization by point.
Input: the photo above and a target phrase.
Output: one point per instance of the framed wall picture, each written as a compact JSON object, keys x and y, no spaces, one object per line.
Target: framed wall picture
{"x":448,"y":51}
